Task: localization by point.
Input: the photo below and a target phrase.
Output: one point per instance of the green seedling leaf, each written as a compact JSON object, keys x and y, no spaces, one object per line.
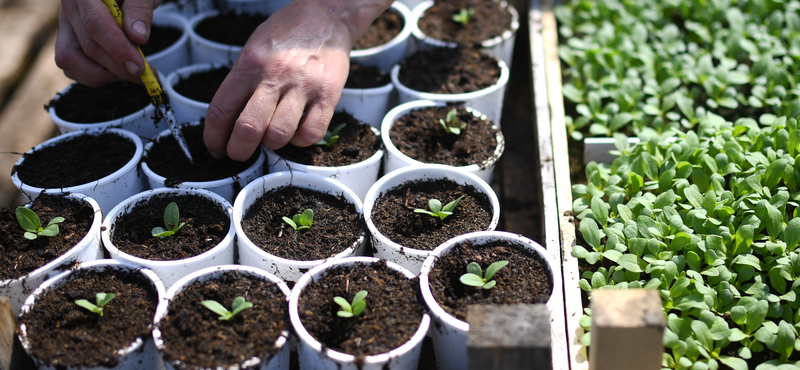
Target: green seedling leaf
{"x":239,"y":304}
{"x":331,"y":137}
{"x":463,"y":16}
{"x":474,"y":276}
{"x":355,"y":308}
{"x":436,"y":209}
{"x":171,"y":221}
{"x":30,"y":222}
{"x":102,"y":299}
{"x":451,"y":123}
{"x":301,"y":222}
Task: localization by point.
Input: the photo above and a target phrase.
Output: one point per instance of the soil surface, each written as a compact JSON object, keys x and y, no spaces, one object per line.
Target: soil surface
{"x":83,"y":104}
{"x":382,"y":30}
{"x":420,"y":135}
{"x":20,"y":256}
{"x":336,"y":224}
{"x":449,"y":70}
{"x":166,"y":158}
{"x":229,"y":28}
{"x":356,"y":143}
{"x":161,"y":37}
{"x":76,"y":161}
{"x":525,"y":280}
{"x":393,"y":314}
{"x":395,"y":218}
{"x":194,"y":337}
{"x":65,"y":334}
{"x":489,"y":20}
{"x":366,"y":77}
{"x":201,"y":86}
{"x":206,"y":224}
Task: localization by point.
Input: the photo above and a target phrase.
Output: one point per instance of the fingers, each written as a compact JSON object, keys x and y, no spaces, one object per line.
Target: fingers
{"x":313,"y":124}
{"x":137,"y":18}
{"x":223,"y":111}
{"x":75,"y":64}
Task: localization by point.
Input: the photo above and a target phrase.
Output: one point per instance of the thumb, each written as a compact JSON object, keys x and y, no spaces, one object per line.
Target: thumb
{"x":137,"y":18}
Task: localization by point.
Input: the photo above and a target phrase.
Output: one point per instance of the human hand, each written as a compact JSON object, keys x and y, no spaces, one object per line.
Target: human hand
{"x":288,"y":78}
{"x":92,"y":49}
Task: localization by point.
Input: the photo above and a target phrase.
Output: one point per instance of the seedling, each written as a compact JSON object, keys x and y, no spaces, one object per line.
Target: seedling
{"x":451,"y":123}
{"x":352,"y":309}
{"x":474,"y":276}
{"x":436,"y":209}
{"x":171,"y":218}
{"x":302,"y":221}
{"x":102,"y":300}
{"x":331,"y":137}
{"x":239,"y":304}
{"x":30,"y":222}
{"x":463,"y":16}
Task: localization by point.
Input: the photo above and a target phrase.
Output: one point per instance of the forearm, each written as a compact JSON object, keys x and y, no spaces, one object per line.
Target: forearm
{"x":356,"y":15}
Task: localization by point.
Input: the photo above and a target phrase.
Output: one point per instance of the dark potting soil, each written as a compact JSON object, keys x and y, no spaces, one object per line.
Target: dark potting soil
{"x":336,"y":225}
{"x":394,"y":216}
{"x":161,"y":37}
{"x":449,"y":70}
{"x":356,"y":143}
{"x":229,"y":28}
{"x":201,"y":86}
{"x":393,"y":314}
{"x":195,"y":338}
{"x":84,"y":104}
{"x":78,"y":160}
{"x":366,"y":77}
{"x":525,"y":280}
{"x":166,"y":158}
{"x":206,"y":225}
{"x":382,"y":30}
{"x":490,"y":20}
{"x":420,"y":135}
{"x":20,"y":256}
{"x":64,"y":334}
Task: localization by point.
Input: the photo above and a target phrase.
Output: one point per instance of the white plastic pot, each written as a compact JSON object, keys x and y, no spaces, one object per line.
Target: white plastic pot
{"x":186,"y":8}
{"x":170,"y":271}
{"x":387,"y":55}
{"x":289,"y":270}
{"x":176,"y":55}
{"x":358,"y":176}
{"x":367,"y":105}
{"x":311,"y":353}
{"x":450,"y":334}
{"x":395,"y":159}
{"x":253,"y":6}
{"x":411,"y":258}
{"x":140,"y":354}
{"x":225,"y":187}
{"x":186,"y":109}
{"x":139,"y":122}
{"x":488,"y":101}
{"x":87,"y":249}
{"x":207,"y":51}
{"x":279,"y":361}
{"x":107,"y":191}
{"x":502,"y":47}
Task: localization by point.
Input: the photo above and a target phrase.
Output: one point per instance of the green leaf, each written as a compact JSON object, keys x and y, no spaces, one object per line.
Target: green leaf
{"x":359,"y":307}
{"x":89,"y":306}
{"x":734,"y":363}
{"x":591,"y":233}
{"x":434,"y":205}
{"x":703,"y":334}
{"x":343,"y":303}
{"x":756,"y":315}
{"x":50,"y":230}
{"x":104,"y":298}
{"x":743,"y":239}
{"x":239,"y":304}
{"x":694,"y":197}
{"x":28,"y":219}
{"x":784,"y":342}
{"x":217,"y":308}
{"x":493,"y":268}
{"x":600,"y":210}
{"x":471,"y":280}
{"x":285,"y":219}
{"x":791,"y":235}
{"x":475,"y":269}
{"x":774,"y":173}
{"x":450,"y":207}
{"x":171,"y":216}
{"x":630,"y":262}
{"x":307,"y":217}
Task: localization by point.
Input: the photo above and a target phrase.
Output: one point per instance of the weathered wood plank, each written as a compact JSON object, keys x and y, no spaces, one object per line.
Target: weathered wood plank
{"x":510,"y":337}
{"x":12,"y":355}
{"x":24,"y":27}
{"x":24,"y":123}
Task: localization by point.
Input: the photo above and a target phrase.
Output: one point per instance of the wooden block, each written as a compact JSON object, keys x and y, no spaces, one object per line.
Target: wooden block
{"x":509,"y":337}
{"x":12,"y":355}
{"x":627,"y":330}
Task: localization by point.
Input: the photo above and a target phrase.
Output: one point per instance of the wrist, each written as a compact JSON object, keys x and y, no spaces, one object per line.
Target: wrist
{"x":355,"y":15}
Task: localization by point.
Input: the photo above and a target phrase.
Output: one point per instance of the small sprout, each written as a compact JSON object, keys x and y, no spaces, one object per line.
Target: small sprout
{"x":451,"y":123}
{"x":331,"y":137}
{"x":463,"y":16}
{"x":474,"y":276}
{"x":171,"y":218}
{"x":102,"y":300}
{"x":237,"y":306}
{"x":302,"y":221}
{"x":352,"y":309}
{"x":30,"y":222}
{"x":436,"y":209}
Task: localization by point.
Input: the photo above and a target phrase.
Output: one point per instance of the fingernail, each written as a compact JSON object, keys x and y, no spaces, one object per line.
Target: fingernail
{"x":132,"y":67}
{"x":215,"y":155}
{"x":140,"y":28}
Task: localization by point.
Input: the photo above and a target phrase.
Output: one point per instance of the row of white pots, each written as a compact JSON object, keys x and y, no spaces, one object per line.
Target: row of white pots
{"x":449,"y":333}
